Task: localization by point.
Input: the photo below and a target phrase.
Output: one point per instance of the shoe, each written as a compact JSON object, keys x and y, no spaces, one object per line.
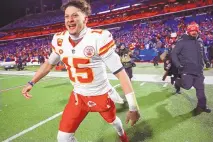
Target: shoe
{"x":177,"y":92}
{"x":199,"y":110}
{"x":124,"y":138}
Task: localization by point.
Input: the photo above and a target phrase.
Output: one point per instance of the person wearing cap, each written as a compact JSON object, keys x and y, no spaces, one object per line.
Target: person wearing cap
{"x":189,"y":57}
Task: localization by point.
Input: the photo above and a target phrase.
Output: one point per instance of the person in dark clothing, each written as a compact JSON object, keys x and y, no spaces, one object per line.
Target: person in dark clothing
{"x":156,"y":58}
{"x":169,"y":67}
{"x":20,"y":63}
{"x":210,"y":51}
{"x":41,"y":59}
{"x":125,"y":56}
{"x":189,"y":57}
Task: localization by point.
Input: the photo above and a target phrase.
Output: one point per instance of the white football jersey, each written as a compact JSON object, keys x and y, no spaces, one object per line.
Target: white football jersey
{"x":86,"y":61}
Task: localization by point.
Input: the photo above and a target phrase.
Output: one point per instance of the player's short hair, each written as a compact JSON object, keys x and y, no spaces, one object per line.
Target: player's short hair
{"x":83,"y":5}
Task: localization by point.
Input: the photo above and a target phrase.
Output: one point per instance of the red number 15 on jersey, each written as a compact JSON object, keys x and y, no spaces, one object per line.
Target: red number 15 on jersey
{"x":77,"y":75}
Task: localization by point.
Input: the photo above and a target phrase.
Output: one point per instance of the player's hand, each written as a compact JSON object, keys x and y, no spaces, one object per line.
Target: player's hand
{"x":132,"y":116}
{"x":26,"y":90}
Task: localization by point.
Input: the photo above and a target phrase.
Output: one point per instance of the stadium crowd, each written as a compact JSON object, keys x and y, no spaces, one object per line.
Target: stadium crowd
{"x":143,"y":36}
{"x":30,"y":49}
{"x":105,"y":14}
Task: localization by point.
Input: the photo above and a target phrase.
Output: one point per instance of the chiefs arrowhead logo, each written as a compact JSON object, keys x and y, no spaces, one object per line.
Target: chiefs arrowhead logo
{"x":89,"y":51}
{"x":91,"y":104}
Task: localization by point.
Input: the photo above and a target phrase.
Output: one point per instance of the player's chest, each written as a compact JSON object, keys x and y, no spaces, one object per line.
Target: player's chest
{"x":84,"y":49}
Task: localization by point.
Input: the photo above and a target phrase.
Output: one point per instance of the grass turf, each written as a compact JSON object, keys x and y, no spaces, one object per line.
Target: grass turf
{"x":165,"y":117}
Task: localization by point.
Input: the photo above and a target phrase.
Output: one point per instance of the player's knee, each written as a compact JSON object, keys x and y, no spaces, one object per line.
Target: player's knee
{"x":65,"y":137}
{"x":110,"y":118}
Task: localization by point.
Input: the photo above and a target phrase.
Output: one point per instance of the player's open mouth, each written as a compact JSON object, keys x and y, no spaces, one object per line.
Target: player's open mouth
{"x":72,"y":26}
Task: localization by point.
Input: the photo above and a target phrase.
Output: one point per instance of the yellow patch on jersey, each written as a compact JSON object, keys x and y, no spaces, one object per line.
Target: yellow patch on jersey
{"x":59,"y":41}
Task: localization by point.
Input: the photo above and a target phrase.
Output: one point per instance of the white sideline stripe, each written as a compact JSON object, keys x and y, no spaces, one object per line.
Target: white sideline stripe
{"x":37,"y":125}
{"x":142,"y":83}
{"x":8,"y":89}
{"x":137,"y":77}
{"x":165,"y":84}
{"x":33,"y":127}
{"x":11,"y":88}
{"x":3,"y":78}
{"x":116,"y":86}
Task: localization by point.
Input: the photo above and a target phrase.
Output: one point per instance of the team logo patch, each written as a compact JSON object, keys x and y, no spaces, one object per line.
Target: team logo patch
{"x":61,"y":51}
{"x":59,"y":41}
{"x":91,"y":104}
{"x":89,"y":51}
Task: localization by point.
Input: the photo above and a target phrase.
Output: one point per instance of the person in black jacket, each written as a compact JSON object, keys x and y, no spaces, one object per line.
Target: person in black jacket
{"x":189,"y":57}
{"x":20,"y":63}
{"x":210,"y":50}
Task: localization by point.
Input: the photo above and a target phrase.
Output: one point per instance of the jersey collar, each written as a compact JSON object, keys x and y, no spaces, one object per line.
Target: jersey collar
{"x":75,"y":40}
{"x":81,"y":35}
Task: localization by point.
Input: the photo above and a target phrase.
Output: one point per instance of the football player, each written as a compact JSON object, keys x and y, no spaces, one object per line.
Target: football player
{"x":85,"y":52}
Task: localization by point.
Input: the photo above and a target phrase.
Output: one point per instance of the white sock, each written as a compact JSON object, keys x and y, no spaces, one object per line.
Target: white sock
{"x":66,"y":137}
{"x":118,"y":126}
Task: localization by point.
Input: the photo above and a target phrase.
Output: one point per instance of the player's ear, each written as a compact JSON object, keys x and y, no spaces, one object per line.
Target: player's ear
{"x":86,"y":19}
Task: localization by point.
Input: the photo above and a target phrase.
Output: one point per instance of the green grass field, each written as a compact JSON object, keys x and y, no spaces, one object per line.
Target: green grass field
{"x":165,"y":117}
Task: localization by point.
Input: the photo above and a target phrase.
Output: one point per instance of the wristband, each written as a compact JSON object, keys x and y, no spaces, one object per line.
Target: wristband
{"x":130,"y":97}
{"x":31,"y":83}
